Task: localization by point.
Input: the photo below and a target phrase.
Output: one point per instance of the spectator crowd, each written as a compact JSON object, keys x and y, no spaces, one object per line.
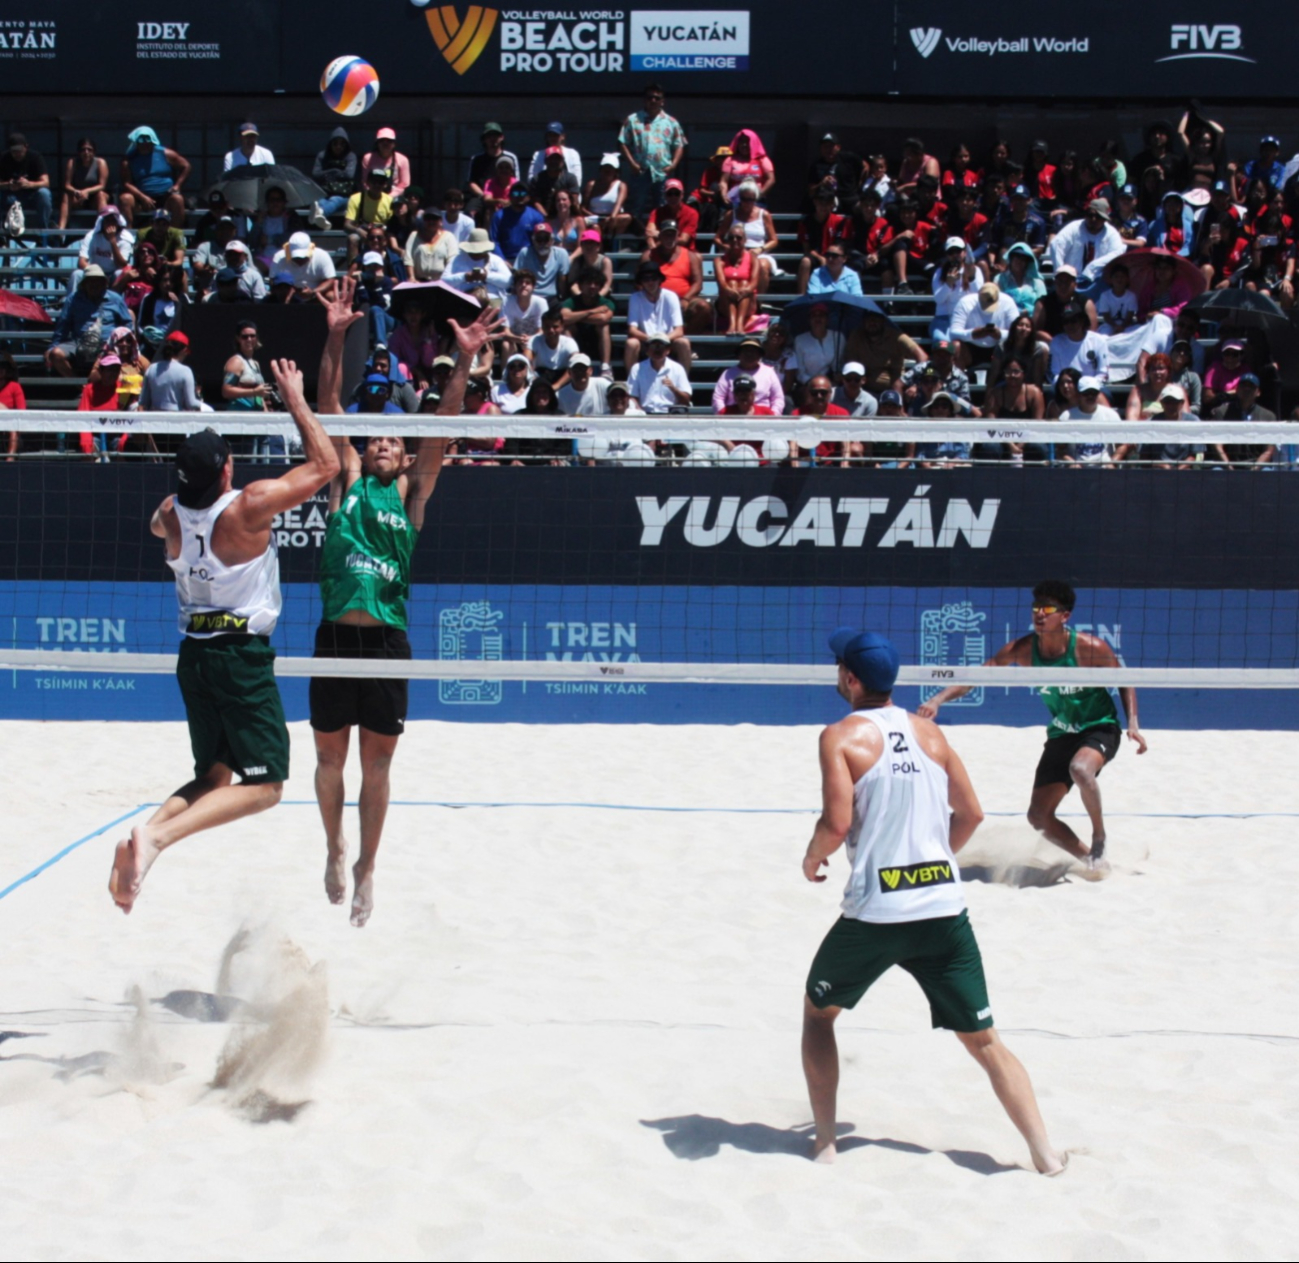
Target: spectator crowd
{"x":1024,"y":286}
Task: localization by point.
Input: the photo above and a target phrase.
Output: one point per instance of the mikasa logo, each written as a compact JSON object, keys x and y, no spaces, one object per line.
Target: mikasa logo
{"x":925,"y":40}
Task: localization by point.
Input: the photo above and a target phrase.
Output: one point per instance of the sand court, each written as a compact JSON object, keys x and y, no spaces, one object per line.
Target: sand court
{"x":572,"y":1031}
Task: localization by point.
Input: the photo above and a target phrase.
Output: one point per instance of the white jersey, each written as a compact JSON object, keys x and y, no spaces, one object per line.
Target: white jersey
{"x":899,"y":845}
{"x":216,"y":599}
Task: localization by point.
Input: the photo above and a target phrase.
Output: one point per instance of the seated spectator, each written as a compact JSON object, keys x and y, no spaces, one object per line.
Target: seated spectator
{"x":942,"y":360}
{"x":817,"y":231}
{"x":587,"y":317}
{"x":852,"y":396}
{"x":765,"y":451}
{"x":1243,"y":407}
{"x":273,"y":225}
{"x":84,"y":323}
{"x":512,"y":225}
{"x":251,"y":284}
{"x":430,"y":247}
{"x":523,"y":311}
{"x":497,"y":186}
{"x":1048,"y":315}
{"x":477,"y":265}
{"x":454,"y":219}
{"x":555,"y":140}
{"x":12,"y":399}
{"x":564,"y":221}
{"x":1222,"y":377}
{"x":169,"y":383}
{"x":372,"y":208}
{"x":225,"y":288}
{"x":1079,"y":347}
{"x":1158,"y":156}
{"x":99,"y":394}
{"x":1116,"y":308}
{"x":548,"y":265}
{"x":735,"y":271}
{"x":979,"y":324}
{"x":653,"y":309}
{"x":1131,"y":224}
{"x":760,"y":237}
{"x":706,"y":198}
{"x":749,"y":162}
{"x":483,"y":166}
{"x":835,"y":168}
{"x":1267,"y":168}
{"x":674,"y":208}
{"x":955,"y":275}
{"x":584,"y":395}
{"x":244,"y":388}
{"x":1015,"y":398}
{"x":554,"y":177}
{"x":947,"y":454}
{"x":1022,"y":278}
{"x":25,"y":179}
{"x":876,"y":180}
{"x":386,"y":157}
{"x":109,"y":244}
{"x":335,"y":171}
{"x":1090,"y":405}
{"x":1158,"y":374}
{"x":306,"y":262}
{"x":85,"y":182}
{"x":136,"y":280}
{"x":540,"y":401}
{"x":1071,"y":187}
{"x":924,"y":383}
{"x":376,"y":397}
{"x":835,"y":277}
{"x":552,"y":349}
{"x":401,"y":390}
{"x":1171,"y":406}
{"x":915,"y":163}
{"x":1039,"y":177}
{"x":1174,"y":226}
{"x":210,"y":257}
{"x":965,"y":220}
{"x":816,"y":403}
{"x":589,"y":255}
{"x":818,"y":351}
{"x":960,"y":172}
{"x":658,"y":383}
{"x":379,"y":241}
{"x":1089,"y":240}
{"x":768,"y":387}
{"x":683,"y":274}
{"x":871,"y":229}
{"x":166,"y":239}
{"x":604,"y":199}
{"x":161,"y":308}
{"x":414,"y":343}
{"x":152,"y":176}
{"x":218,"y":209}
{"x":1183,"y":374}
{"x":511,"y":394}
{"x":1021,"y":342}
{"x":907,"y":244}
{"x":1021,"y":224}
{"x":883,"y":349}
{"x":248,"y":153}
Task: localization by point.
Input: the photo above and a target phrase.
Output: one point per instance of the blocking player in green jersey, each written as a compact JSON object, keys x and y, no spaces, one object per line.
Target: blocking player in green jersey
{"x":376,"y":511}
{"x":1084,"y":733}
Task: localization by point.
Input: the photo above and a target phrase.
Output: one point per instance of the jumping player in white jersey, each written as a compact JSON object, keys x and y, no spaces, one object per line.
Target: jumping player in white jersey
{"x":220,"y":546}
{"x":899,"y":795}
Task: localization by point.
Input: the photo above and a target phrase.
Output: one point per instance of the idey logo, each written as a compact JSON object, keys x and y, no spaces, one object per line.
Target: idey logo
{"x":1220,"y":42}
{"x":925,"y":40}
{"x":461,"y":43}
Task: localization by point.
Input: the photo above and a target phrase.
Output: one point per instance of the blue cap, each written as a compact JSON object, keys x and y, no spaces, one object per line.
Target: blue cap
{"x":1221,"y":186}
{"x":226,"y":275}
{"x":1248,"y":377}
{"x":1270,"y":140}
{"x":872,"y":658}
{"x":556,"y":127}
{"x":891,"y":397}
{"x":284,"y":278}
{"x":1128,"y":190}
{"x":1019,"y":191}
{"x":378,"y":379}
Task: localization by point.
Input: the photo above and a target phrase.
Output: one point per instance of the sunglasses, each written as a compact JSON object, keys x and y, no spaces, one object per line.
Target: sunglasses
{"x":1046,"y":609}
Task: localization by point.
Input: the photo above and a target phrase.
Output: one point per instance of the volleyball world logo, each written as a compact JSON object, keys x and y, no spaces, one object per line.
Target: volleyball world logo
{"x":461,"y":42}
{"x":925,"y":40}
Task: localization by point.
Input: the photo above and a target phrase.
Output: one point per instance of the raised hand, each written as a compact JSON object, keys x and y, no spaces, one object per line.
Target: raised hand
{"x":288,"y":380}
{"x":471,"y":338}
{"x":338,"y":309}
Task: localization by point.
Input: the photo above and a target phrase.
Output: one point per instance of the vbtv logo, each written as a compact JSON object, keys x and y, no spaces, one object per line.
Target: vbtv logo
{"x":461,"y":42}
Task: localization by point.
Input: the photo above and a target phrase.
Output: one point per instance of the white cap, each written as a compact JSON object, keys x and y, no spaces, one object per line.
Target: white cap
{"x":1173,"y":391}
{"x":580,"y":358}
{"x":371,"y":257}
{"x":956,"y":243}
{"x":610,"y":160}
{"x":235,"y":245}
{"x":854,"y":367}
{"x":299,"y":246}
{"x":1067,"y":269}
{"x":516,"y":358}
{"x":1088,"y":383}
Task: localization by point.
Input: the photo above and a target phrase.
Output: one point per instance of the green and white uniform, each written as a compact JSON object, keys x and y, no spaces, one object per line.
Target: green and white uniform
{"x":365,"y":562}
{"x":1074,"y":707}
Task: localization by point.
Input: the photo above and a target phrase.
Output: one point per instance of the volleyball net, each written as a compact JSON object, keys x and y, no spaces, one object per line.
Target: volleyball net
{"x":650,"y":589}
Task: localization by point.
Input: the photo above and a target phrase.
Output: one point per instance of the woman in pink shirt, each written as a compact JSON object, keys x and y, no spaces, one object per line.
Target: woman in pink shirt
{"x":748,"y":161}
{"x":385,"y":155}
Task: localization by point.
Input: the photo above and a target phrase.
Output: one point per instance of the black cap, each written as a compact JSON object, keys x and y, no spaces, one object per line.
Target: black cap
{"x":618,"y":388}
{"x":199,"y":463}
{"x":1073,"y":311}
{"x":649,"y":272}
{"x":744,"y":382}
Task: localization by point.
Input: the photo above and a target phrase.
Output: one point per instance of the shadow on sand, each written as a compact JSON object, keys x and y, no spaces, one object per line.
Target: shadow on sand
{"x":694,"y":1136}
{"x":1021,"y":876}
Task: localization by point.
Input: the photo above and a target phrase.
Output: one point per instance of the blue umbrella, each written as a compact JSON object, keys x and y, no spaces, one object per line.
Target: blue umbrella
{"x":846,"y":311}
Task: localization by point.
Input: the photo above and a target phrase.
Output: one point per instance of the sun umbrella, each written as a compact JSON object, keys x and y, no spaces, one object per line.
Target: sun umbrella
{"x":1241,"y":307}
{"x":245,"y":187}
{"x":441,"y":301}
{"x":1187,"y":282}
{"x":846,"y":311}
{"x":21,"y":308}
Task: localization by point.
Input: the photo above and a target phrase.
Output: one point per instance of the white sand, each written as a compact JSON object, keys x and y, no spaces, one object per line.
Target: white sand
{"x":573,"y":1034}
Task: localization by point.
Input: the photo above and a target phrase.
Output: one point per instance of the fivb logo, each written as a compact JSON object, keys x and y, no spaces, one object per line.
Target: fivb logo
{"x":1216,"y":43}
{"x":461,"y":43}
{"x":925,"y":40}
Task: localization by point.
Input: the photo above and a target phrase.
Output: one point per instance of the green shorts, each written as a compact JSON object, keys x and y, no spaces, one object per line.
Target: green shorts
{"x":234,"y":708}
{"x":940,"y":953}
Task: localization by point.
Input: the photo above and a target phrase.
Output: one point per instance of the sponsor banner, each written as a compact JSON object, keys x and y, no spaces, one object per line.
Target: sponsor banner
{"x":615,"y":627}
{"x":1131,"y":528}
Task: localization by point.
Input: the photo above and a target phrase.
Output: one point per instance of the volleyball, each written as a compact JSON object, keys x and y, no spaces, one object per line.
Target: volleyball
{"x":349,"y":85}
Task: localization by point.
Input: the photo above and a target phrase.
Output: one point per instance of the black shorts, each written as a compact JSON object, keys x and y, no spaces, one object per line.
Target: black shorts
{"x":1057,"y":754}
{"x":379,"y":705}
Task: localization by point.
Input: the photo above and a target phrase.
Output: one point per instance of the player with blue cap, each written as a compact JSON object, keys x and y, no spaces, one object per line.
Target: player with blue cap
{"x":899,"y":797}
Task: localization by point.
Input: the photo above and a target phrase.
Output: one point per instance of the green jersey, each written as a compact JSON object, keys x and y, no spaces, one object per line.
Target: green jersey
{"x":365,"y":562}
{"x":1074,"y":707}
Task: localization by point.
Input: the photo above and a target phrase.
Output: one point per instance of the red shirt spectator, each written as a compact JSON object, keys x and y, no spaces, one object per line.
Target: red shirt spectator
{"x":674,"y":207}
{"x":816,"y":233}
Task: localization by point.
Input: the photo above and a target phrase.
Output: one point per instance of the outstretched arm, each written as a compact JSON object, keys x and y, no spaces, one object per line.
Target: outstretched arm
{"x":339,"y":318}
{"x":1008,"y":655}
{"x":470,"y":340}
{"x":261,"y":501}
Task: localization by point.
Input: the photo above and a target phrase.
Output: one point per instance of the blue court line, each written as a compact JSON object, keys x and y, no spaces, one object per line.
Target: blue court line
{"x":67,"y":850}
{"x":730,"y":811}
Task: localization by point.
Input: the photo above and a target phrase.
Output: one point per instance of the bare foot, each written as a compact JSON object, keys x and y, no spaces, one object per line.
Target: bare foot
{"x":336,"y":872}
{"x":131,"y":861}
{"x":1051,"y":1164}
{"x":363,"y":895}
{"x":824,"y":1153}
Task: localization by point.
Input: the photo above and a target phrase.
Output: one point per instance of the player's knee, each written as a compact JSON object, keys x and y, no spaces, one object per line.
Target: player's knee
{"x":272,"y":792}
{"x":1083,"y":773}
{"x":979,"y":1044}
{"x":1038,"y":816}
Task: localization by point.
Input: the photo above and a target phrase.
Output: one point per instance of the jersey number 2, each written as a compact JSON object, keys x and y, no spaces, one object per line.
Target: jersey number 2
{"x":899,"y":743}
